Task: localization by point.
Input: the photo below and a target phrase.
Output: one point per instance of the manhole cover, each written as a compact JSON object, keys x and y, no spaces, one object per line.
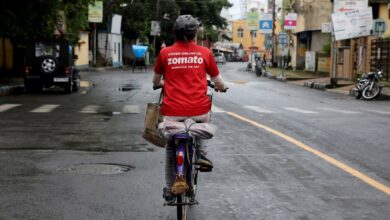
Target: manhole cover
{"x":98,"y":168}
{"x":125,"y":87}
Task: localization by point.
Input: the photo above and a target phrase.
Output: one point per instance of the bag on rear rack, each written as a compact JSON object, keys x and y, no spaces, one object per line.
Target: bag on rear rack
{"x":152,"y":118}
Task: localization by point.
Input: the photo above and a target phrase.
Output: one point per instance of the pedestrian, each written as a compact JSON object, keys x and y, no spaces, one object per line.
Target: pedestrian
{"x":181,"y":70}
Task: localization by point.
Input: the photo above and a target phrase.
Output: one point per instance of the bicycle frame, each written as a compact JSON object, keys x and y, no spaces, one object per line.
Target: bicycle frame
{"x":186,"y":154}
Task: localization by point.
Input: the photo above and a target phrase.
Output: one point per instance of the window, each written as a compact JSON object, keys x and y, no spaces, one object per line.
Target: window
{"x":114,"y":47}
{"x":254,"y":34}
{"x":240,"y":32}
{"x":42,"y":49}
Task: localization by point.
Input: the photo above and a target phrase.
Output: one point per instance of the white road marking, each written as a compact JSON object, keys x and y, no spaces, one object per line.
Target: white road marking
{"x":339,"y":111}
{"x":6,"y":107}
{"x":216,"y":109}
{"x":379,"y":112}
{"x":258,"y":109}
{"x":300,"y":110}
{"x":131,"y":109}
{"x":90,"y":109}
{"x":45,"y":108}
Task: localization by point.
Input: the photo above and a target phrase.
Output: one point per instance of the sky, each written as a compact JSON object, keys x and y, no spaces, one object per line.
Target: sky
{"x":235,"y":10}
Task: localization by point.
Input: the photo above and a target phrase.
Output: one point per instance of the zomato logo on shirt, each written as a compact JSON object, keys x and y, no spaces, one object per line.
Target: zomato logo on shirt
{"x":181,"y":59}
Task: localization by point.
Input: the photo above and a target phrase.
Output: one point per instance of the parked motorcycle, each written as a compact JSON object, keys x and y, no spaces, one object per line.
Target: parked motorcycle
{"x":369,"y":86}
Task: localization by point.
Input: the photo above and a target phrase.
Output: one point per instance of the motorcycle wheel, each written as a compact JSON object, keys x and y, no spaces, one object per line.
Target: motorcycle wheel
{"x":370,"y":94}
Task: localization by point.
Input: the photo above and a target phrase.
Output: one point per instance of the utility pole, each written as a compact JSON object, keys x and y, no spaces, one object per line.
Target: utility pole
{"x":155,"y":36}
{"x":333,"y":80}
{"x":273,"y":34}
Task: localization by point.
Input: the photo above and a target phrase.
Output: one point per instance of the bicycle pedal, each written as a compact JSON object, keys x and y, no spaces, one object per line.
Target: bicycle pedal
{"x":204,"y":169}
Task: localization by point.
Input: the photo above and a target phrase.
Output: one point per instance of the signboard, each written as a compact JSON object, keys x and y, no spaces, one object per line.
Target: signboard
{"x":326,"y":27}
{"x":356,"y":23}
{"x":252,"y":18}
{"x":379,"y":27}
{"x":290,"y":21}
{"x":310,"y":61}
{"x":116,"y":22}
{"x":269,"y":42}
{"x":265,"y":23}
{"x":155,"y":28}
{"x":95,"y":12}
{"x":283,"y":38}
{"x":349,"y":5}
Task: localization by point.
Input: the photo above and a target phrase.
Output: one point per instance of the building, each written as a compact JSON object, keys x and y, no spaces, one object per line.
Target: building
{"x":82,"y":50}
{"x":359,"y":55}
{"x":308,"y":36}
{"x":110,"y":48}
{"x":251,"y":41}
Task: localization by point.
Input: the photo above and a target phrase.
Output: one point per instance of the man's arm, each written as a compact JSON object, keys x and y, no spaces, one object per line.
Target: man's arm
{"x":157,"y":80}
{"x":219,"y":83}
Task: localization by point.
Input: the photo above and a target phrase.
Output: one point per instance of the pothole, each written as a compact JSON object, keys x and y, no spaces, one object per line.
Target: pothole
{"x":98,"y":168}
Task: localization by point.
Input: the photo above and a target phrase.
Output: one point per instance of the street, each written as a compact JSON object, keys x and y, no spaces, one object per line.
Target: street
{"x":281,"y":152}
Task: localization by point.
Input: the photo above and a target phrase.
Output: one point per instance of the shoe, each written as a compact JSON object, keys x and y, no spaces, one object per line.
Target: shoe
{"x":180,"y":185}
{"x":168,"y":196}
{"x":204,"y":162}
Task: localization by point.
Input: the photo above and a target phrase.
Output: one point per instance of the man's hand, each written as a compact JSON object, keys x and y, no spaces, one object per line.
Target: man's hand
{"x":221,"y":90}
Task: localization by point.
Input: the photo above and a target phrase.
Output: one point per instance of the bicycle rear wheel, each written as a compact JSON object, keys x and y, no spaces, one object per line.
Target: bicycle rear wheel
{"x":182,"y":209}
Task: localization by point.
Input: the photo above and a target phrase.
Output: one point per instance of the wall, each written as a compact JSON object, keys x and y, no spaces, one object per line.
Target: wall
{"x":112,"y":42}
{"x":312,"y":14}
{"x":6,"y":54}
{"x":82,"y":51}
{"x":246,"y":40}
{"x":117,"y":51}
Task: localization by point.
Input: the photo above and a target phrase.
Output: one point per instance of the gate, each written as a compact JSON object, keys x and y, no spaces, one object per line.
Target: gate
{"x":384,"y":61}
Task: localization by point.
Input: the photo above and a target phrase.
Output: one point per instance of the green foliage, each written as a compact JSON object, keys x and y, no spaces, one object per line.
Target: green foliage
{"x":37,"y":19}
{"x":138,"y":14}
{"x":29,"y":19}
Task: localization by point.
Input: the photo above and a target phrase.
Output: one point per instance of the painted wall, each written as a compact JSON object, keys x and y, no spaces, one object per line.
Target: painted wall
{"x":6,"y":54}
{"x":258,"y":41}
{"x":111,"y":48}
{"x":312,"y":14}
{"x":82,"y":51}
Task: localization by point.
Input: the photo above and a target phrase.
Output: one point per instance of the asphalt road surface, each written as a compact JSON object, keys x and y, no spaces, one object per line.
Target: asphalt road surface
{"x":281,"y":152}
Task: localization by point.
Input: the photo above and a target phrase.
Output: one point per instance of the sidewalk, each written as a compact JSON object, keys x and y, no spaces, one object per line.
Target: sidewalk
{"x":15,"y":84}
{"x":319,"y":81}
{"x":9,"y":84}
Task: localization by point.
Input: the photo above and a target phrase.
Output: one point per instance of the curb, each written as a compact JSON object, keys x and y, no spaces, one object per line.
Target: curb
{"x":9,"y":89}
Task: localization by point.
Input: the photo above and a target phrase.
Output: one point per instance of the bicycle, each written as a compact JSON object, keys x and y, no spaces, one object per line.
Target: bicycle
{"x":187,"y":145}
{"x":187,"y":152}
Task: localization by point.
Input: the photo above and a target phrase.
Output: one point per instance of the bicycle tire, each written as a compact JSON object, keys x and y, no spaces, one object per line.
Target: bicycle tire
{"x":181,"y":209}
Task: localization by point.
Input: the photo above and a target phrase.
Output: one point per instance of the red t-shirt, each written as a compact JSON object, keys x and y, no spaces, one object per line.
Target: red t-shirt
{"x":184,"y":67}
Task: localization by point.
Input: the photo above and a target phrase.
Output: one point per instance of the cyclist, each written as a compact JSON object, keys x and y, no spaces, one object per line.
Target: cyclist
{"x":181,"y":70}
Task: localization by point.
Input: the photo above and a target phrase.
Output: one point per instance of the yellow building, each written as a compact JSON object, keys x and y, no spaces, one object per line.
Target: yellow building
{"x":82,"y":51}
{"x":6,"y":54}
{"x":242,"y":35}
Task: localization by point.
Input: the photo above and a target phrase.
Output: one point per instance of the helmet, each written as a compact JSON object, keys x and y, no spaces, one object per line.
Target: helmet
{"x":186,"y":27}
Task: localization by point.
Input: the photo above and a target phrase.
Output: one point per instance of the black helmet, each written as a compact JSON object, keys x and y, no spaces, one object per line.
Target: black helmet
{"x":185,"y":27}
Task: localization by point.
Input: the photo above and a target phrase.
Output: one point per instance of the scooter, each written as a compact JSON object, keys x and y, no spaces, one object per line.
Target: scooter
{"x":368,"y":86}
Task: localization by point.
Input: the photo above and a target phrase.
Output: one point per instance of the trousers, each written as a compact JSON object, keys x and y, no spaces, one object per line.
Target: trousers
{"x":170,"y":152}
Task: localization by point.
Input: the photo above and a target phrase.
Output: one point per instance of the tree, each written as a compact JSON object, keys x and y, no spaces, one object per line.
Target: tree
{"x":138,"y":14}
{"x":37,"y":19}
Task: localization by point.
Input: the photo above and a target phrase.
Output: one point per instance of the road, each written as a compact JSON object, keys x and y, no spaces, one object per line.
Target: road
{"x":281,"y":152}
